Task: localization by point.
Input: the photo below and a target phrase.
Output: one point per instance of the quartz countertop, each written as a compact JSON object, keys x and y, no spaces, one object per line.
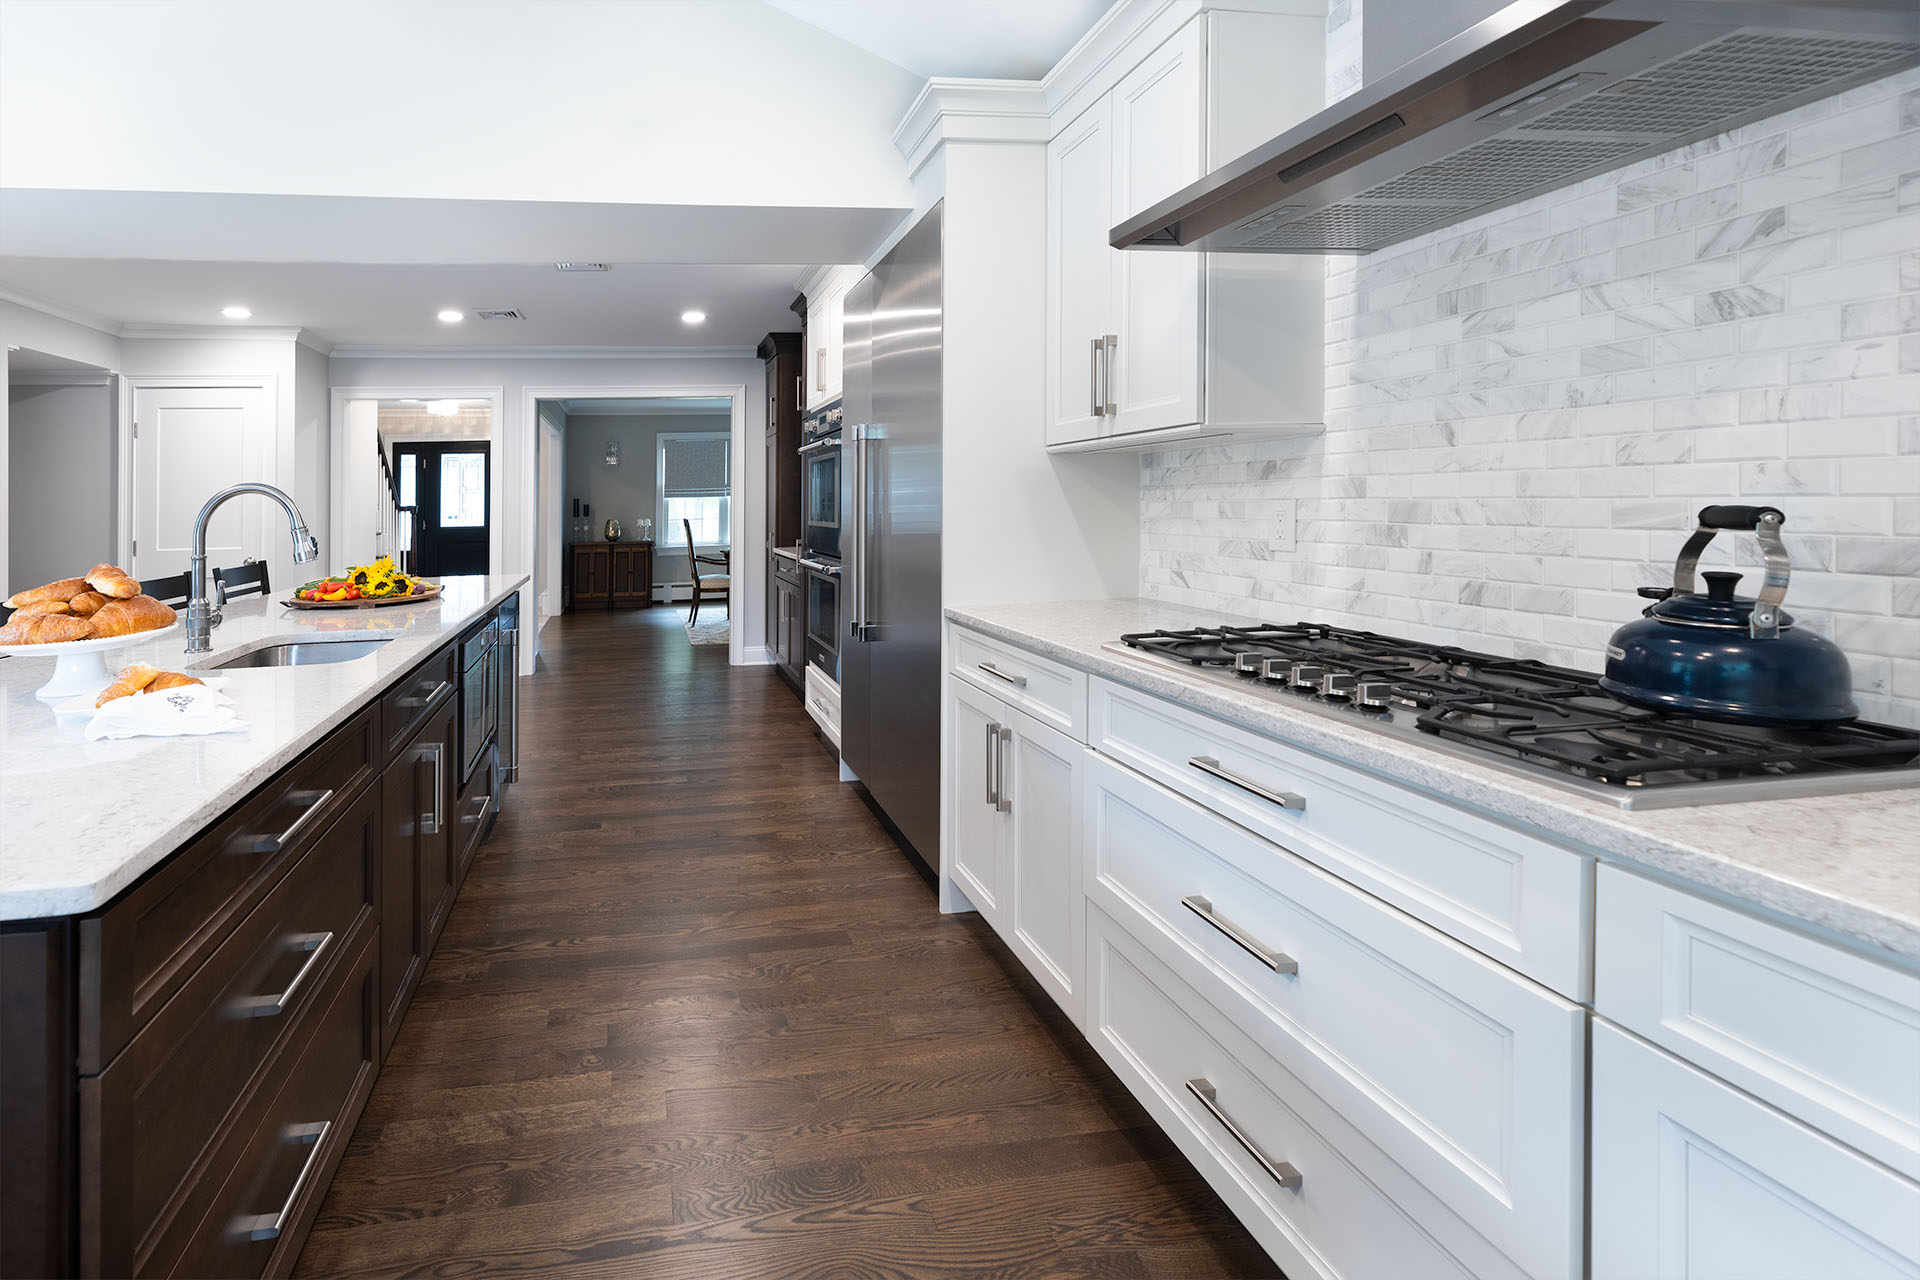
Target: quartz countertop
{"x":1848,"y":865}
{"x":80,"y":820}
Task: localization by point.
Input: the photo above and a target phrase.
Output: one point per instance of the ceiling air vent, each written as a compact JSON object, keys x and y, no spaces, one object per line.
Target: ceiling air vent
{"x":579,"y":266}
{"x":498,"y":313}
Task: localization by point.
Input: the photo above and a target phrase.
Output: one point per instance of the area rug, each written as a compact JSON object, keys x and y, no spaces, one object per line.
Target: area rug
{"x":711,"y":630}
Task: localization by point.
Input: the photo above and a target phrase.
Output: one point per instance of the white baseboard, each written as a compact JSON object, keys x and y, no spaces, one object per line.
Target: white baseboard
{"x":757,"y":655}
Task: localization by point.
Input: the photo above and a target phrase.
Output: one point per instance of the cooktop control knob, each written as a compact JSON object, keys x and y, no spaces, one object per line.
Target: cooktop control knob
{"x":1338,"y":684}
{"x":1247,"y":664}
{"x":1377,"y":694}
{"x":1306,"y":675}
{"x":1279,"y":670}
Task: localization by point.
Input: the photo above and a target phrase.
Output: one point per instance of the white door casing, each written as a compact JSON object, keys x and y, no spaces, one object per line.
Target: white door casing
{"x":186,"y":443}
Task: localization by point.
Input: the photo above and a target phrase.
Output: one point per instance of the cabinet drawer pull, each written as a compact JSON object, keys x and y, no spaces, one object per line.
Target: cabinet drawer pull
{"x":315,"y":945}
{"x":268,"y":1226}
{"x":1285,"y":799}
{"x":1278,"y":961}
{"x":1094,"y":366}
{"x":443,"y":687}
{"x":1112,"y":345}
{"x":1281,"y":1172}
{"x":1018,"y":682}
{"x":1003,"y":794}
{"x":316,"y":803}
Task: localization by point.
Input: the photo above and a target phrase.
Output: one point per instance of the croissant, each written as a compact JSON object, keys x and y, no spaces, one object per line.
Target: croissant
{"x":41,"y":607}
{"x":112,"y":580}
{"x":65,"y":589}
{"x":132,"y":679}
{"x":172,"y":680}
{"x":87,"y":603}
{"x":47,"y":628}
{"x":124,"y":617}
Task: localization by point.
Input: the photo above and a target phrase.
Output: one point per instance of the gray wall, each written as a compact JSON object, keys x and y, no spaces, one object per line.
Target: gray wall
{"x":631,"y":489}
{"x":62,"y":489}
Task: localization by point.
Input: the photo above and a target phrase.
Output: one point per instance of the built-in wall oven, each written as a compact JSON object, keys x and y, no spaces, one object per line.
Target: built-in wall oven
{"x":820,"y":484}
{"x":823,"y":615}
{"x":479,"y":704}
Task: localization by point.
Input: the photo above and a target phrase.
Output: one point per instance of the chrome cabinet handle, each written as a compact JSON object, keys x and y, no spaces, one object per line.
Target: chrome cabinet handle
{"x":1003,"y":800}
{"x":1093,"y":368}
{"x":316,"y":802}
{"x":438,"y":689}
{"x":513,"y":705}
{"x":1018,"y":682}
{"x":1278,"y":961}
{"x":268,"y":1226}
{"x":1285,"y":799}
{"x":1280,"y":1171}
{"x":315,"y":945}
{"x":820,"y":368}
{"x":1112,"y":344}
{"x":993,"y":764}
{"x":433,"y":825}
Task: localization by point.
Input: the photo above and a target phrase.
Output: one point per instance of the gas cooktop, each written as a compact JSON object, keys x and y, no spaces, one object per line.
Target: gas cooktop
{"x":1549,"y":723}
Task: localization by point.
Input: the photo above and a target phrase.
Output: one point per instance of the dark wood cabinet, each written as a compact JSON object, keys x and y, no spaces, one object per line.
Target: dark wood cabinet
{"x":787,"y":630}
{"x":782,"y":354}
{"x":181,"y":1070}
{"x":607,"y":575}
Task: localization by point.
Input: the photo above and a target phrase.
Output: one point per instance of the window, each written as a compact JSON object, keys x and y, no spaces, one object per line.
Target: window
{"x":463,"y":490}
{"x":409,"y":464}
{"x":694,"y":486}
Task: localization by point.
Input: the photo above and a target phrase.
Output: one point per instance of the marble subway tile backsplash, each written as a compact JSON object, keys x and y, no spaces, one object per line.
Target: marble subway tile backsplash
{"x":1525,"y":411}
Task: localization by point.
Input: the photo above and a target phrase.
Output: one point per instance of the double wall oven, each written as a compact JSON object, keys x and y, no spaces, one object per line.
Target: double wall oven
{"x":820,"y":539}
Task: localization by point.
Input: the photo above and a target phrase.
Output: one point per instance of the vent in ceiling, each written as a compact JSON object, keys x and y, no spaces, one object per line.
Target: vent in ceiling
{"x":579,"y":266}
{"x":498,"y":313}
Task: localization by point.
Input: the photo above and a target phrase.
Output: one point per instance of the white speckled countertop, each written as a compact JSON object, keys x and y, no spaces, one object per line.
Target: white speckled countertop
{"x":1846,"y":864}
{"x":80,"y":820}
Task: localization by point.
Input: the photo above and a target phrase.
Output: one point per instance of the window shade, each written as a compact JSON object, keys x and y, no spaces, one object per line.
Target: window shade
{"x":694,"y":466}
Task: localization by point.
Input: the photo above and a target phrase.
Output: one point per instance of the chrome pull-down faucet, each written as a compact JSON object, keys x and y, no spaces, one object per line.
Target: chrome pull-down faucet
{"x":202,"y":614}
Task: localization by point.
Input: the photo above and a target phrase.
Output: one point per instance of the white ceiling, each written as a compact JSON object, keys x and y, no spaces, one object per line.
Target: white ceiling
{"x":632,"y":305}
{"x":994,"y":39}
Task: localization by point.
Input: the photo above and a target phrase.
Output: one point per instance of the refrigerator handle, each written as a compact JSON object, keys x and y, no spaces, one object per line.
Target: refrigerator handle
{"x":856,"y":524}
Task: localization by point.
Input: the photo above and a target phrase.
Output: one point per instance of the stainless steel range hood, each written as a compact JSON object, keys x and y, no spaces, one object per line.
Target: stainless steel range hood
{"x":1540,"y":95}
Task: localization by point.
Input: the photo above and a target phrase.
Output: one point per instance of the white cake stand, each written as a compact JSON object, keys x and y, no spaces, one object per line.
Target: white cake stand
{"x":78,"y":666}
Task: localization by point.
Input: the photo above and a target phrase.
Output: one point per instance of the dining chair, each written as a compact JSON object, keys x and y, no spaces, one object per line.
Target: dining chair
{"x":715,"y":586}
{"x":248,"y":579}
{"x":171,"y":590}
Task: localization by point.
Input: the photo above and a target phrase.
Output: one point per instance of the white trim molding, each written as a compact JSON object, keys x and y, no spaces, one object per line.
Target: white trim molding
{"x":60,"y":311}
{"x":59,"y":378}
{"x":422,"y":352}
{"x":219,"y":332}
{"x":951,"y":109}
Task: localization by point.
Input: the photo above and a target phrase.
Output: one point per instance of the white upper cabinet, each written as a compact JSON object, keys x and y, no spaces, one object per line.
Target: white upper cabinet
{"x":1151,"y":346}
{"x":826,"y":320}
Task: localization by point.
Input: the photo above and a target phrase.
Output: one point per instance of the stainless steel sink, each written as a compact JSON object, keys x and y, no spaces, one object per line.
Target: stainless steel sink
{"x":304,"y":653}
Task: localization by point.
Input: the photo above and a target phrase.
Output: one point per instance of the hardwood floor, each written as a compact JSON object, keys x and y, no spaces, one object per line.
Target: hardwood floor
{"x":696,"y":1015}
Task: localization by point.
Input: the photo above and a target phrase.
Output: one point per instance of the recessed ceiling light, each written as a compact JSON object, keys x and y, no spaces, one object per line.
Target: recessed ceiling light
{"x":450,"y":316}
{"x":693,"y":317}
{"x":235,"y":313}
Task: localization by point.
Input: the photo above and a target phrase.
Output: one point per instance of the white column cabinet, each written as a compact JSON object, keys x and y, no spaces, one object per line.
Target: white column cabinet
{"x":1016,"y":825}
{"x":1151,"y":346}
{"x":826,"y":318}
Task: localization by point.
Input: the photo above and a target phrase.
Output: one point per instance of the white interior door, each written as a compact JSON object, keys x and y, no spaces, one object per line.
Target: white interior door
{"x":188,"y":443}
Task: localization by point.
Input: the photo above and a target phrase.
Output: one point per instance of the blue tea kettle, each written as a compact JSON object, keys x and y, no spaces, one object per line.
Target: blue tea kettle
{"x":1720,"y":656}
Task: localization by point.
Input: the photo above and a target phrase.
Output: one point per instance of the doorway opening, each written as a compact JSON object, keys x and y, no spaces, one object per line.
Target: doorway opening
{"x":62,"y":504}
{"x":437,"y":457}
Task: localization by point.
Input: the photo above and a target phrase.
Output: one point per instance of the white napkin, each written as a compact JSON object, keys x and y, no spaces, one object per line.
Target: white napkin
{"x":189,"y":709}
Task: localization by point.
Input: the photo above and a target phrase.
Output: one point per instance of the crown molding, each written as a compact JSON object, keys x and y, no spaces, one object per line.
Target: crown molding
{"x":815,"y":279}
{"x":313,"y":342}
{"x":58,"y":378}
{"x":346,"y":351}
{"x":60,"y":311}
{"x":956,"y":110}
{"x":205,"y":332}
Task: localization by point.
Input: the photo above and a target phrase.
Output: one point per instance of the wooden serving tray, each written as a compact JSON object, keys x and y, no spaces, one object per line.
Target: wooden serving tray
{"x":296,"y":603}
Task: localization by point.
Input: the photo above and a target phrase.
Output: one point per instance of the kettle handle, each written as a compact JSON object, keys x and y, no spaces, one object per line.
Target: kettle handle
{"x":1764,"y":522}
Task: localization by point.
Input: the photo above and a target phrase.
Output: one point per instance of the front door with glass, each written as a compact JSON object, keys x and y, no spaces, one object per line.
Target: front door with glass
{"x":449,"y":486}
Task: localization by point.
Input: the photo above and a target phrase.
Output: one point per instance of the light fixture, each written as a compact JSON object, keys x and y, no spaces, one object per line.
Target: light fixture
{"x":693,"y":317}
{"x":450,"y":316}
{"x":613,"y":453}
{"x":236,"y":313}
{"x":443,"y":408}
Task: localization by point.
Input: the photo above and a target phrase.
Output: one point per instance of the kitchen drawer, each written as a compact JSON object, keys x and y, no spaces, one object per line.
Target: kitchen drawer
{"x":479,"y":801}
{"x":1824,"y":1034}
{"x":1055,"y":695}
{"x":140,"y":949}
{"x":823,"y":702}
{"x":406,"y":706}
{"x":279,"y":1165}
{"x":146,"y":1121}
{"x":1464,"y":1073}
{"x":1509,"y":895}
{"x":1353,"y":1212}
{"x":1694,"y":1180}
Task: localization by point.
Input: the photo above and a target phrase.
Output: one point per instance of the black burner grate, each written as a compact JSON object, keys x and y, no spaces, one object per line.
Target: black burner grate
{"x":1544,"y":714}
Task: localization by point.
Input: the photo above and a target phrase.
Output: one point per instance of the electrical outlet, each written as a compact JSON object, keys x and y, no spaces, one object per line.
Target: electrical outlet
{"x":1284,"y":511}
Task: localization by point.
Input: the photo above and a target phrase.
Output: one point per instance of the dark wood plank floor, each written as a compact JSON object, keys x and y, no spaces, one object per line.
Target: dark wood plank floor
{"x":696,"y":1015}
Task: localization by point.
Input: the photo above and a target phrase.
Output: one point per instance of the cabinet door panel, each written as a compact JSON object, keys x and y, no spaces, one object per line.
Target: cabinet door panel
{"x":1693,"y":1179}
{"x":1049,"y":912}
{"x":1158,"y":135}
{"x":1080,"y":272}
{"x":978,"y":827}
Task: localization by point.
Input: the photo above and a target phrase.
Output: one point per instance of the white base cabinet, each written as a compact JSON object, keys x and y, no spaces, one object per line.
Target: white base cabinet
{"x":1694,"y":1180}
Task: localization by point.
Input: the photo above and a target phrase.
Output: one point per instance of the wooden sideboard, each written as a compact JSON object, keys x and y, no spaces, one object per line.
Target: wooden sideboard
{"x":608,"y":575}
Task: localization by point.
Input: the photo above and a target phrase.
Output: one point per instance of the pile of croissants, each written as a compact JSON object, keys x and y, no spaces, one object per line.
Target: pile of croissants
{"x":105,"y":601}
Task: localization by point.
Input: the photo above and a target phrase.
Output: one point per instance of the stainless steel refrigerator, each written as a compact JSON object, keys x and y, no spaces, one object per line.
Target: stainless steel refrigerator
{"x":890,"y":661}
